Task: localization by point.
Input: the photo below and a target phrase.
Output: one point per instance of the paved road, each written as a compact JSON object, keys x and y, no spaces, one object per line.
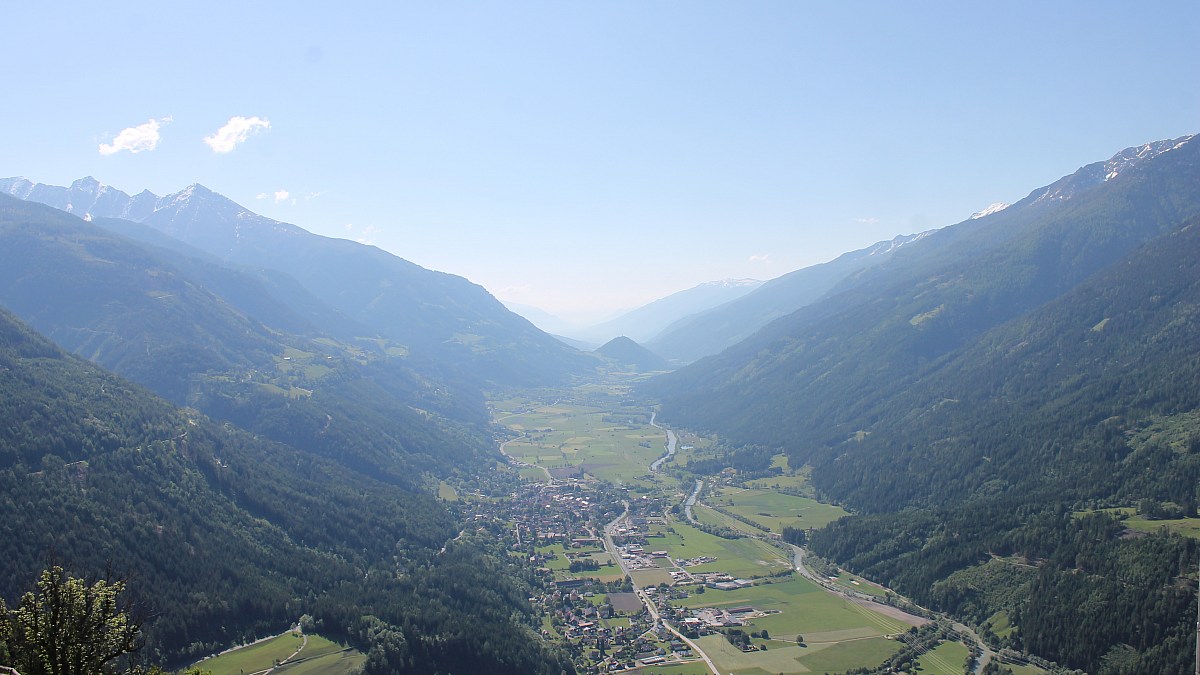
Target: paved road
{"x":691,"y":501}
{"x":516,"y":462}
{"x":610,"y":528}
{"x":686,"y":640}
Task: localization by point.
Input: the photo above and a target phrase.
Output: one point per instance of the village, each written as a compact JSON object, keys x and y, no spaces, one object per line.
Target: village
{"x":587,"y":541}
{"x":643,"y":559}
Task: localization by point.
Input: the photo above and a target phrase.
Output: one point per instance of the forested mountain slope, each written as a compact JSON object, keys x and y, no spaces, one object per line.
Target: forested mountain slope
{"x":451,"y":327}
{"x":971,"y":397}
{"x":818,"y":374}
{"x":153,"y":316}
{"x":1088,"y":402}
{"x":227,"y":536}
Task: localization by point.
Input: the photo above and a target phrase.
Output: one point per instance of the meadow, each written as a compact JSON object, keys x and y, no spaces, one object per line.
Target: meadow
{"x":319,"y":657}
{"x":792,"y":658}
{"x":745,"y":557}
{"x":1187,"y":527}
{"x":803,"y":609}
{"x":775,"y":510}
{"x":945,"y":659}
{"x":593,"y":439}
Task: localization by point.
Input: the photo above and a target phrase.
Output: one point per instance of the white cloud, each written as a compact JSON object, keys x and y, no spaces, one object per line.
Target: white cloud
{"x":868,"y":221}
{"x":235,"y":131}
{"x":279,"y":196}
{"x":367,"y":236}
{"x":136,"y":139}
{"x":765,"y":259}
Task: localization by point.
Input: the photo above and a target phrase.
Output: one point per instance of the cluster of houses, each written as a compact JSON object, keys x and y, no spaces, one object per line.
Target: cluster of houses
{"x":603,"y":623}
{"x":561,"y":512}
{"x":577,"y":617}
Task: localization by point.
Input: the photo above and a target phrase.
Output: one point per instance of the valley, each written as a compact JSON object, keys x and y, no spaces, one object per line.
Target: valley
{"x":631,"y":580}
{"x":970,"y":449}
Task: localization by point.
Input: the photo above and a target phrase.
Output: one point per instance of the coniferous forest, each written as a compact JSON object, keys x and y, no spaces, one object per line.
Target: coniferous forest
{"x":225,"y":535}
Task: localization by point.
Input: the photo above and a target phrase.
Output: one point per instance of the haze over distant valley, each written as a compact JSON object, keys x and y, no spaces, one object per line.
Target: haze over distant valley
{"x":541,"y":338}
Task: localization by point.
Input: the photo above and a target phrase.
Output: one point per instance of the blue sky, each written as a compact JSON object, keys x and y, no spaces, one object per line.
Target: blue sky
{"x":585,"y":157}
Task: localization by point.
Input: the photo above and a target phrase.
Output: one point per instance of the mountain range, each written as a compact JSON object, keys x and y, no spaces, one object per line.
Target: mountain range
{"x":280,"y":406}
{"x":159,"y":318}
{"x":644,"y":323}
{"x":710,"y":331}
{"x":971,"y":393}
{"x":448,"y":325}
{"x":297,"y":478}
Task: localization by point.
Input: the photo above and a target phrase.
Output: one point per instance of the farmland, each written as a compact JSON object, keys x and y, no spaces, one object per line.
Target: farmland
{"x":304,"y":655}
{"x":775,"y":510}
{"x":592,"y":446}
{"x":566,"y":439}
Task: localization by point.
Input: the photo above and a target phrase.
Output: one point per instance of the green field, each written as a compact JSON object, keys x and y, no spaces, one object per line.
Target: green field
{"x":839,"y":657}
{"x":709,"y":516}
{"x":650,"y":577}
{"x":847,"y":581}
{"x":319,"y":657}
{"x":1188,"y":527}
{"x":744,"y":557}
{"x":565,"y":435}
{"x":828,"y":658}
{"x":804,"y":609}
{"x":775,"y":509}
{"x":694,"y":668}
{"x":533,"y":473}
{"x":561,"y":564}
{"x":945,"y":659}
{"x":1001,"y":624}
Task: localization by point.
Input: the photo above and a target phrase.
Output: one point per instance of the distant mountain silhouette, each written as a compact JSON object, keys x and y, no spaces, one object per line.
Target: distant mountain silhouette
{"x":629,"y":353}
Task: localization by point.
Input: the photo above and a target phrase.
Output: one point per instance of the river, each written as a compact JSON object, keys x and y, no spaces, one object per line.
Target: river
{"x":671,"y":441}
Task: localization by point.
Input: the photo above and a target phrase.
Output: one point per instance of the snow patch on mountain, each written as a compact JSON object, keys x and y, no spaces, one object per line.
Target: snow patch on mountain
{"x":885,"y":247}
{"x":1129,"y":159}
{"x":18,"y":187}
{"x":991,"y":208}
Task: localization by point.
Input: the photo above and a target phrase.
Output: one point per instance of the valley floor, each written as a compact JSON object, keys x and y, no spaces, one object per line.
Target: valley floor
{"x":647,"y":566}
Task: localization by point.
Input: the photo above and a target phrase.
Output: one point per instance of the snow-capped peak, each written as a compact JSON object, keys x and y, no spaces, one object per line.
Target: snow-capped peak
{"x":18,"y":186}
{"x":88,"y":184}
{"x":1102,"y":172}
{"x":890,"y":245}
{"x":992,"y":208}
{"x":1132,"y":156}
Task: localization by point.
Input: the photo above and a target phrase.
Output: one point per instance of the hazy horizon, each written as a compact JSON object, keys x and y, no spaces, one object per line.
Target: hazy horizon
{"x":589,"y":159}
